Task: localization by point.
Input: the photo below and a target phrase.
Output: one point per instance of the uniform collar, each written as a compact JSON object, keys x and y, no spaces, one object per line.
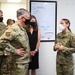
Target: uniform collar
{"x":64,"y":35}
{"x":20,"y":26}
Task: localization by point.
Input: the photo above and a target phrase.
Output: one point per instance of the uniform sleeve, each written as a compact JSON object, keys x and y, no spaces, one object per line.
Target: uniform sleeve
{"x":5,"y":39}
{"x":70,"y":49}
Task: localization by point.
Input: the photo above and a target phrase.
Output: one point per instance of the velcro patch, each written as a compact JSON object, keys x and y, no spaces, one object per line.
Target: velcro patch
{"x":7,"y":34}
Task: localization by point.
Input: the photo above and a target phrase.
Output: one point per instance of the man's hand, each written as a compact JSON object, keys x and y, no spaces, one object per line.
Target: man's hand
{"x":20,"y":51}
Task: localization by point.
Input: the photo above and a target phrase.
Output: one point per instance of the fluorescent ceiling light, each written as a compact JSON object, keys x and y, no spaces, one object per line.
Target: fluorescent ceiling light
{"x":13,"y":0}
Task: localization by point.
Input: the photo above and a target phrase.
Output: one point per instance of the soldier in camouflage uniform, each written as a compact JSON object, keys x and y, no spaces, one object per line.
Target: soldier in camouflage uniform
{"x":15,"y":41}
{"x":2,"y":29}
{"x":65,"y":47}
{"x":4,"y":59}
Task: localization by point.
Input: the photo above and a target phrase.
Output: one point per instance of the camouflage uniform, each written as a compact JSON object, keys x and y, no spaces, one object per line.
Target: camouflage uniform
{"x":5,"y":61}
{"x":15,"y":37}
{"x":2,"y":29}
{"x":64,"y":60}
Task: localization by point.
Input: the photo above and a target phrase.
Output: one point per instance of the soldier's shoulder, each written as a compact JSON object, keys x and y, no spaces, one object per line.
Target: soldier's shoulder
{"x":72,"y":34}
{"x":59,"y":34}
{"x":3,"y":27}
{"x":14,"y":27}
{"x":8,"y":29}
{"x":2,"y":24}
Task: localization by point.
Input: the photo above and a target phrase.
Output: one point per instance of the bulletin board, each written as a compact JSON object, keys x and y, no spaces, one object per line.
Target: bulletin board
{"x":46,"y":15}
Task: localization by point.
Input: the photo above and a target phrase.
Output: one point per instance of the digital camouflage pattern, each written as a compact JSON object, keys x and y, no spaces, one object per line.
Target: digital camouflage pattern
{"x":15,"y":37}
{"x":5,"y":61}
{"x":8,"y":66}
{"x":64,"y":60}
{"x":2,"y":29}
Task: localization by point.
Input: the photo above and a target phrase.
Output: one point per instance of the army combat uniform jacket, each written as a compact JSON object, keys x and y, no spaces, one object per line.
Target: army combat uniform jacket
{"x":64,"y":60}
{"x":2,"y":29}
{"x":68,"y":41}
{"x":15,"y":37}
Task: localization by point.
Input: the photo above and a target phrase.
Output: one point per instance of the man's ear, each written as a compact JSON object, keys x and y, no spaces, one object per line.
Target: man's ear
{"x":22,"y":17}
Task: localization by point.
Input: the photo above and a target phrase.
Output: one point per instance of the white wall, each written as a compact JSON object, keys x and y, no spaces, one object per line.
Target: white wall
{"x":47,"y":57}
{"x":9,"y":10}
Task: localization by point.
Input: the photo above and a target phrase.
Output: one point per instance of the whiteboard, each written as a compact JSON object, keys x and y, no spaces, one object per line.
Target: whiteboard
{"x":46,"y":15}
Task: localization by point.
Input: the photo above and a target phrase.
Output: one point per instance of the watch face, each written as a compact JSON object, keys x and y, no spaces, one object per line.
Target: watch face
{"x":36,"y":50}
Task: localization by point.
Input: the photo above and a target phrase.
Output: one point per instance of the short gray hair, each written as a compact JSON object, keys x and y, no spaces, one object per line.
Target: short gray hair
{"x":21,"y":12}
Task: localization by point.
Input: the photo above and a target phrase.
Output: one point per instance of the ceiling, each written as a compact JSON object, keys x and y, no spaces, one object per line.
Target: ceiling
{"x":22,"y":1}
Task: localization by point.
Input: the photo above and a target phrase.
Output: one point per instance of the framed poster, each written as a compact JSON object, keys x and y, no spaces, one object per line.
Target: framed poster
{"x":46,"y":15}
